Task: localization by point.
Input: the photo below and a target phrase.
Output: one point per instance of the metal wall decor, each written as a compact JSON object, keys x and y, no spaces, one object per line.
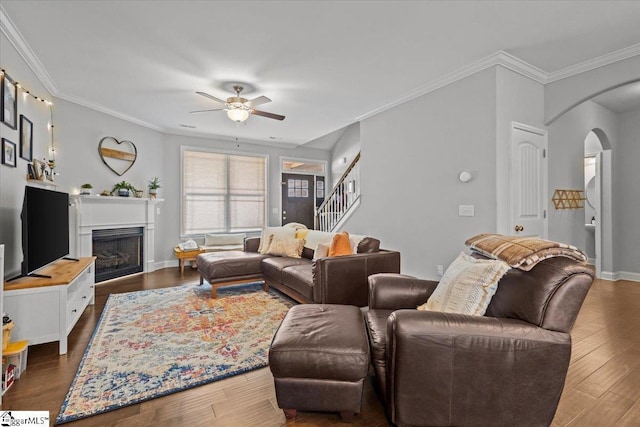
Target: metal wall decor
{"x":119,"y":156}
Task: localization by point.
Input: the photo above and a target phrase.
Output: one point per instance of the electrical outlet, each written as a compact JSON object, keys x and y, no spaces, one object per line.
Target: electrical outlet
{"x":439,"y":270}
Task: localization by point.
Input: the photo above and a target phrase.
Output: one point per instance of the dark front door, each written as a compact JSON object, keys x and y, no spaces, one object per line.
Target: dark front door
{"x":298,"y":199}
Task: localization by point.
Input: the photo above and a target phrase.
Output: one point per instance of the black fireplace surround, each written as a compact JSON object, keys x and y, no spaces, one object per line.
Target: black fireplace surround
{"x":118,"y":252}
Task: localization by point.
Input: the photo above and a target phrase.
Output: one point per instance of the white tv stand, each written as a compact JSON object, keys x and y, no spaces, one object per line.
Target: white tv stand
{"x":45,"y":310}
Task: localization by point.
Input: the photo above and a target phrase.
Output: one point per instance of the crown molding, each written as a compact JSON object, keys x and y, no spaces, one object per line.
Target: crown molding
{"x":113,"y":113}
{"x":519,"y":66}
{"x":499,"y":58}
{"x":592,"y":64}
{"x":15,"y":37}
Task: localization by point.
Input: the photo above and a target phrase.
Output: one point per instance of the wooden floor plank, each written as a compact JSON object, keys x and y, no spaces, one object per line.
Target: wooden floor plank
{"x":605,"y":412}
{"x":572,"y":404}
{"x":611,"y":372}
{"x":631,"y":418}
{"x":602,"y":387}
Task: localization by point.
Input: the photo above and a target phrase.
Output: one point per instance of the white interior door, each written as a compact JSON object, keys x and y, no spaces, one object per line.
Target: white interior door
{"x":528,"y":181}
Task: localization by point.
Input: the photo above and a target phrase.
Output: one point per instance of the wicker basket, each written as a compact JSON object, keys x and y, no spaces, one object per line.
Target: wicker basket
{"x":6,"y":334}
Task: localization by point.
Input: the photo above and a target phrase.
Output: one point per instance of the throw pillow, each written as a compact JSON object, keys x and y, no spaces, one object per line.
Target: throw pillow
{"x":340,"y":245}
{"x":314,"y":237}
{"x":267,"y":232}
{"x":322,"y":251}
{"x":467,"y":286}
{"x":285,"y":247}
{"x":368,"y":245}
{"x":302,"y":233}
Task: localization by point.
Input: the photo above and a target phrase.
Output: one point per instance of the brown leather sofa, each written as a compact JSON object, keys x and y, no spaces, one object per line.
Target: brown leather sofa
{"x":330,"y":280}
{"x":506,"y":368}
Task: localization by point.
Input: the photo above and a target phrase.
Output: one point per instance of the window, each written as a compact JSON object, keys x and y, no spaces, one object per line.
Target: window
{"x":303,"y":166}
{"x":222,"y":192}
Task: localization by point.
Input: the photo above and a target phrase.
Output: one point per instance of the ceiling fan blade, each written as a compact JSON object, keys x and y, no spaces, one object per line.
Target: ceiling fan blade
{"x":206,"y":111}
{"x":257,"y":101}
{"x":268,"y":115}
{"x":211,"y":97}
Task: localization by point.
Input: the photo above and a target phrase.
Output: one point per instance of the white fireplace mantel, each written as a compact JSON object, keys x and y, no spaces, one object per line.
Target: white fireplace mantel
{"x":90,"y":213}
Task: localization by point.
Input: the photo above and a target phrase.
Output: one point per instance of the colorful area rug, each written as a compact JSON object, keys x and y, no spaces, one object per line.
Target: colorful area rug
{"x":152,"y":343}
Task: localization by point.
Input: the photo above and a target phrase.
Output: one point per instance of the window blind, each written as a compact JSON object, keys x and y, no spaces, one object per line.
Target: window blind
{"x":222,"y":192}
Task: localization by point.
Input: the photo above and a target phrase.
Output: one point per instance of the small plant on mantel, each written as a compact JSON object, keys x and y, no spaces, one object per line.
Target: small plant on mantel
{"x":123,"y":188}
{"x":154,"y":184}
{"x":86,"y":189}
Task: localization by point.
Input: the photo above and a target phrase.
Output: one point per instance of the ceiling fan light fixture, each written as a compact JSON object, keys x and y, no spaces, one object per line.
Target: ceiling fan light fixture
{"x":238,"y":114}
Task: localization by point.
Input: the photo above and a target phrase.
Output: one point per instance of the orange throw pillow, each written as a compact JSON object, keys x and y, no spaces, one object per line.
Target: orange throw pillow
{"x":340,"y":245}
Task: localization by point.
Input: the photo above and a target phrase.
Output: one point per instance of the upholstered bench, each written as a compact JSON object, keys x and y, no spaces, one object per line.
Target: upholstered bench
{"x":230,"y":267}
{"x":319,"y":358}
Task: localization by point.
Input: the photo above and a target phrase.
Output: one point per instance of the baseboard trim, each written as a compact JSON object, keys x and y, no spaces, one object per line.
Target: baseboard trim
{"x":165,"y":264}
{"x":620,"y":275}
{"x":608,"y":275}
{"x":628,"y":275}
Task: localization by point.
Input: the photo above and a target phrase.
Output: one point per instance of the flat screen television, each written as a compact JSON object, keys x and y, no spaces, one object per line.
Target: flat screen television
{"x":45,"y":228}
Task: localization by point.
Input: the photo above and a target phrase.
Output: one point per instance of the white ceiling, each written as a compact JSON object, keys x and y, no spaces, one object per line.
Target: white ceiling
{"x":323,"y":64}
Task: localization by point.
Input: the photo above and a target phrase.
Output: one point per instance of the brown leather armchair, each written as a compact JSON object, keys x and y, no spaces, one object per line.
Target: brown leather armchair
{"x":506,"y":368}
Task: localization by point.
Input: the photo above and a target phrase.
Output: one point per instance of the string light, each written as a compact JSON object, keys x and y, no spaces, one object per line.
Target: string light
{"x":25,"y":93}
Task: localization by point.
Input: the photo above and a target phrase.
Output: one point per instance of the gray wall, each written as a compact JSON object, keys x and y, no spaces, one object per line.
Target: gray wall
{"x":347,"y":146}
{"x":566,"y":171}
{"x":627,"y":195}
{"x":412,"y":155}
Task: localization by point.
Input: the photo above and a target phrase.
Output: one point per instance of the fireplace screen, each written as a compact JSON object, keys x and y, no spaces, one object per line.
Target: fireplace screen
{"x":118,"y":252}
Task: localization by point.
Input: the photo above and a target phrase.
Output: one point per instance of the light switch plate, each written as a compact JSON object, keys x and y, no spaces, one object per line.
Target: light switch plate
{"x":466,"y":210}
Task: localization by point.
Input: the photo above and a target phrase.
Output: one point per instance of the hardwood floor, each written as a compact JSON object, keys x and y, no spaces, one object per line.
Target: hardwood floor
{"x":602,"y":387}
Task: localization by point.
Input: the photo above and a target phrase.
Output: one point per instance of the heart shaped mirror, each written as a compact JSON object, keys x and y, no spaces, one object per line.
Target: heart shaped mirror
{"x":119,"y":156}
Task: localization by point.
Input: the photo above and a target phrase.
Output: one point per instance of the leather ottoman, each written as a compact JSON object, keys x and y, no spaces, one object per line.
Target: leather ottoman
{"x":319,"y":358}
{"x":228,"y":268}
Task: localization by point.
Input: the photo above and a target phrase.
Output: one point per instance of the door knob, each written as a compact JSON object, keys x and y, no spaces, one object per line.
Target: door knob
{"x":518,"y":228}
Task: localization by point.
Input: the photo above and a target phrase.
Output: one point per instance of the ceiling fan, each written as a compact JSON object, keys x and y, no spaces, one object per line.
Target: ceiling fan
{"x":239,"y":108}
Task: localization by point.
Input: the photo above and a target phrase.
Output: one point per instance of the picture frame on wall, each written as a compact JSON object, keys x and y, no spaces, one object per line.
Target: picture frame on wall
{"x":26,"y":138}
{"x":8,"y":153}
{"x":9,"y":101}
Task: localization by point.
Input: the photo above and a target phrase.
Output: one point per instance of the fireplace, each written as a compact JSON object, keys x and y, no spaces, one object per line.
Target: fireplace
{"x":118,"y":252}
{"x":97,"y":213}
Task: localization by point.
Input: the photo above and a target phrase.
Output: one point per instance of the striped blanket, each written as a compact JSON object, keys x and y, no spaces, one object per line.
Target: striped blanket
{"x":521,"y":252}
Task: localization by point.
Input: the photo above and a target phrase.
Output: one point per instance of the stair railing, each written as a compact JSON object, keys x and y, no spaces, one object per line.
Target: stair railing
{"x":341,"y":199}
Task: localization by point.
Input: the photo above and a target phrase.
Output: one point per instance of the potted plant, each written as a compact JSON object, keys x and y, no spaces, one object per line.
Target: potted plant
{"x":154,"y":184}
{"x":86,"y":189}
{"x":123,"y":188}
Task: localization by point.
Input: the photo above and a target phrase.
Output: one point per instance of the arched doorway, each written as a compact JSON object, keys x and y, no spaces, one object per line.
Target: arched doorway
{"x":597,"y":209}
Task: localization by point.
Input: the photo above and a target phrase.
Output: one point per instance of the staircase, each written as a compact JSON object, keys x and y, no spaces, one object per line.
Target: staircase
{"x":342,"y":201}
